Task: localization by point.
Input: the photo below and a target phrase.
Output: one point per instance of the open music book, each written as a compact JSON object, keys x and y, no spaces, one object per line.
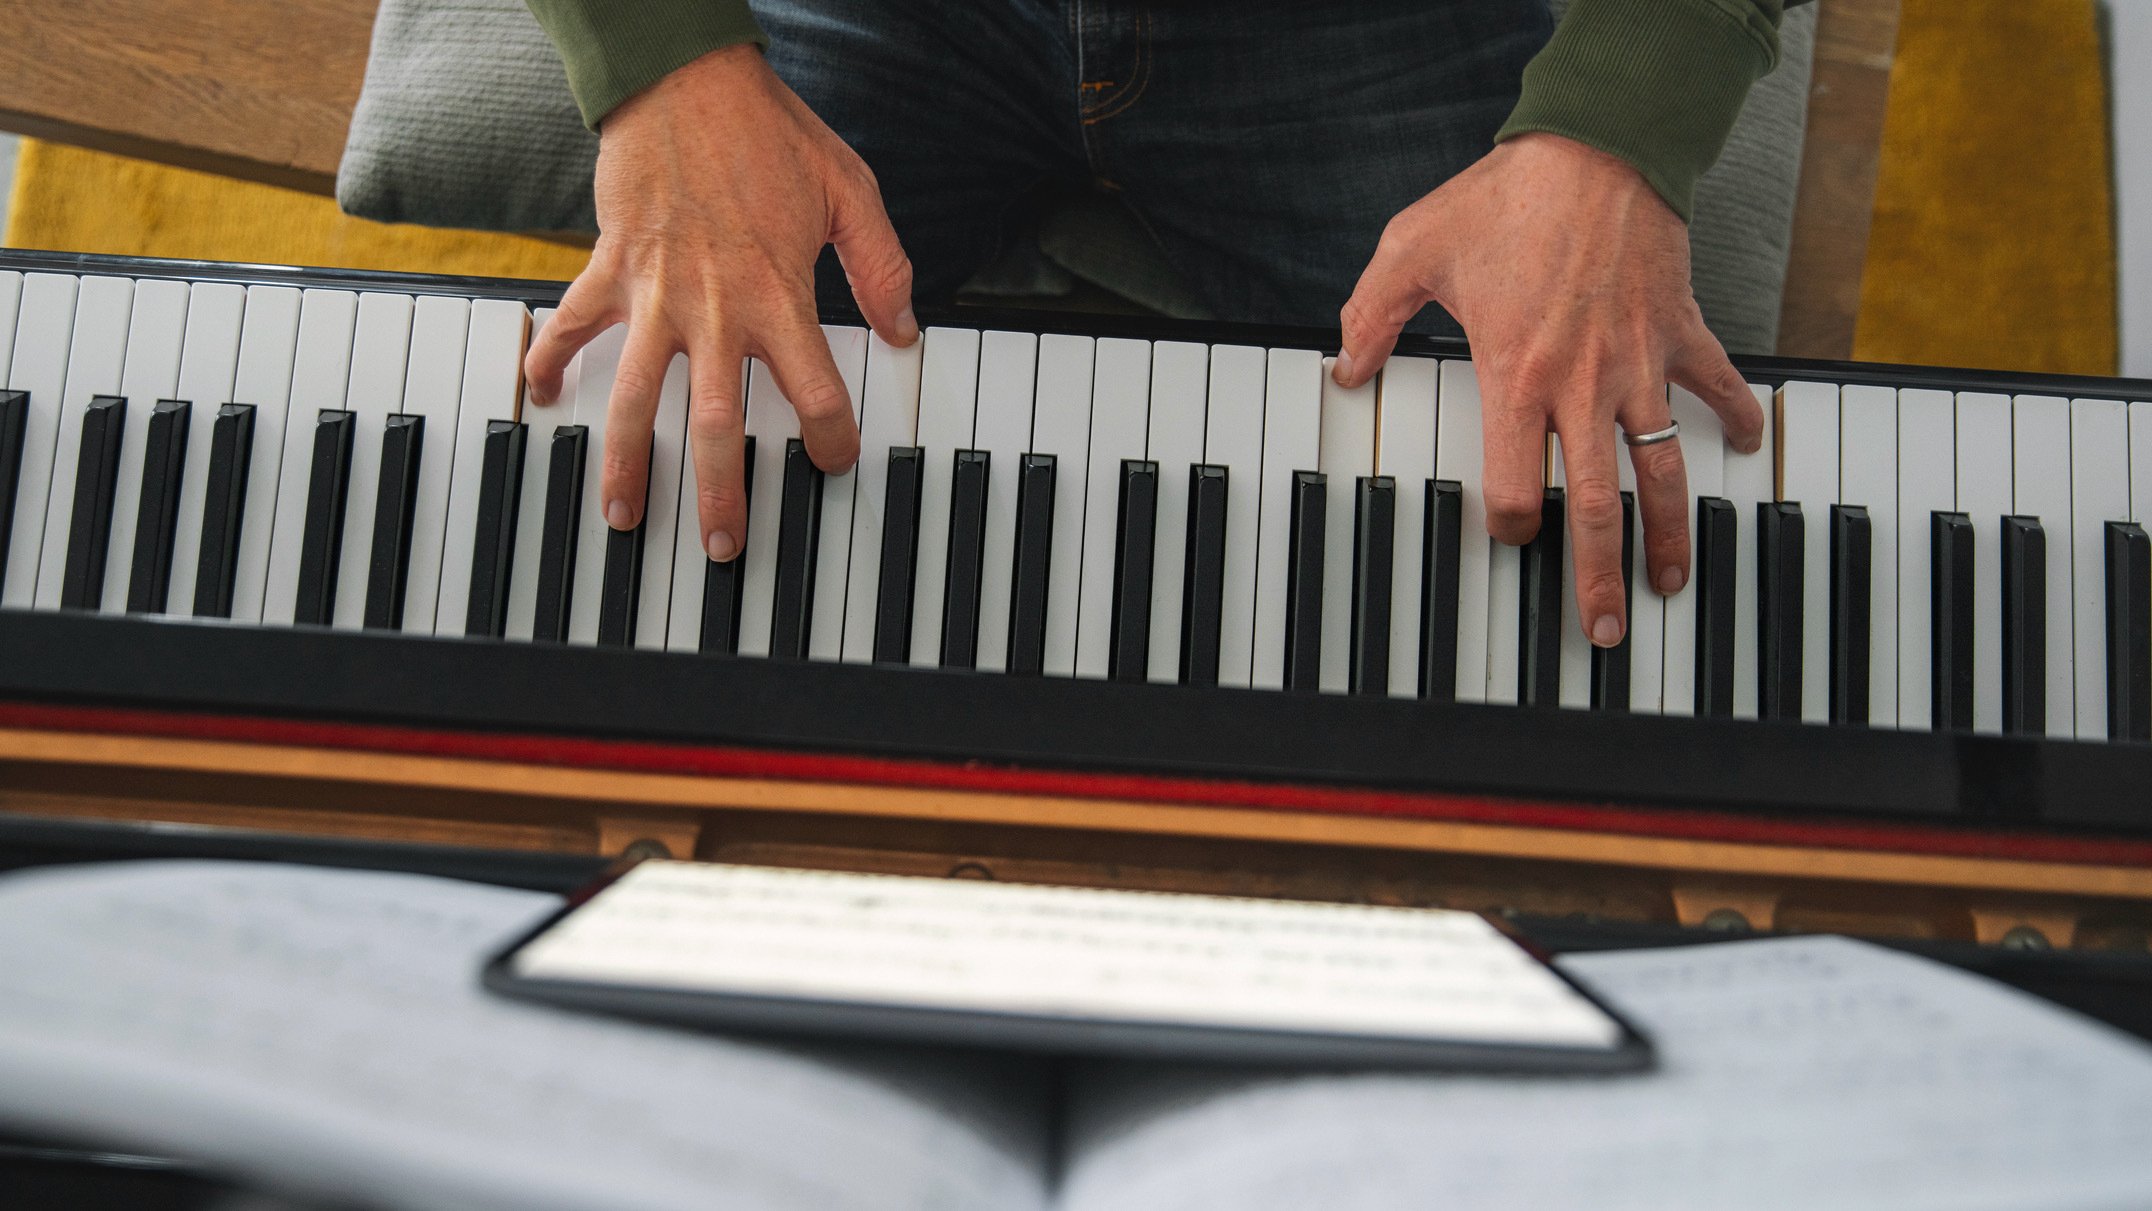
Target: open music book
{"x":324,"y":1032}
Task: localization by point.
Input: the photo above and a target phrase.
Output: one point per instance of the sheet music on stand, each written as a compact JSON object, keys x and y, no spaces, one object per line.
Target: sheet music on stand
{"x":1062,"y":969}
{"x":322,"y":1032}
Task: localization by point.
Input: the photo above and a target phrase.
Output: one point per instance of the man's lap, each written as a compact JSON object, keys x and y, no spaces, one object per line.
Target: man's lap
{"x":1263,"y":144}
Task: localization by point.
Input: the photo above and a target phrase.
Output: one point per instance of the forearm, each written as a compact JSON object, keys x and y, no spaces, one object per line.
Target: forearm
{"x":614,"y":49}
{"x":1657,"y":83}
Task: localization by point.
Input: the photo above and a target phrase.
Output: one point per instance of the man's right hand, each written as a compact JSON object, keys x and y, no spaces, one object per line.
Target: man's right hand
{"x":717,"y":189}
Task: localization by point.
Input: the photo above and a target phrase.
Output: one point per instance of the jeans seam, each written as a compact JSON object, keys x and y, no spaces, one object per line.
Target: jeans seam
{"x":1140,"y":78}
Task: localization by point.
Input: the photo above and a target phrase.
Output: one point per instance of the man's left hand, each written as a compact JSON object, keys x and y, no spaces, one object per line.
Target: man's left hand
{"x":1571,"y":277}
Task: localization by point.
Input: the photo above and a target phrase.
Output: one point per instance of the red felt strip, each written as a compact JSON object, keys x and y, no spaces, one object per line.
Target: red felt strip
{"x":738,"y":762}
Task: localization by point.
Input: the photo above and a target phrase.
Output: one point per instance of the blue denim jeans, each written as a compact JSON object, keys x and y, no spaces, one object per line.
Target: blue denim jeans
{"x":1264,"y":143}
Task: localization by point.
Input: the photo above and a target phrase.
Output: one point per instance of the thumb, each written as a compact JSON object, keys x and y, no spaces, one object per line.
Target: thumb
{"x":874,"y":262}
{"x":1389,"y":294}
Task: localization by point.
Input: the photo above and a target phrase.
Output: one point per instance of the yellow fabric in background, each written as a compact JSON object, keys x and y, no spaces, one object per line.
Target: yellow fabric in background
{"x":73,"y":200}
{"x":1993,"y":239}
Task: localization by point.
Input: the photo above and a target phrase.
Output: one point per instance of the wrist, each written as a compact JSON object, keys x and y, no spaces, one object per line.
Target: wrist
{"x":726,"y":69}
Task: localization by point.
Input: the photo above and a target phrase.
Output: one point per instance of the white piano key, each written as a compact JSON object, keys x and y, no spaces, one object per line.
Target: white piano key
{"x":1292,"y":441}
{"x":1984,"y":493}
{"x":1233,"y":439}
{"x":948,"y":401}
{"x":1808,"y":443}
{"x":539,"y":424}
{"x":38,"y":364}
{"x":1061,"y":426}
{"x":380,"y":352}
{"x":268,"y":349}
{"x":690,"y":560}
{"x":1750,"y":479}
{"x":1927,"y":483}
{"x":433,"y":389}
{"x":889,"y":416}
{"x":2099,"y":493}
{"x":1405,"y":451}
{"x":833,"y":548}
{"x":1703,"y":452}
{"x":1505,"y":629}
{"x":662,"y":514}
{"x":1008,"y":377}
{"x":1459,"y":457}
{"x":156,"y":331}
{"x":208,"y":365}
{"x":1647,"y":611}
{"x":95,"y":357}
{"x":1868,"y":477}
{"x":10,"y":313}
{"x":491,"y":373}
{"x":2040,"y":477}
{"x":1575,"y":681}
{"x":593,"y":395}
{"x":1346,"y":456}
{"x":2140,"y":420}
{"x":1180,"y":382}
{"x":771,"y":422}
{"x":1120,"y":421}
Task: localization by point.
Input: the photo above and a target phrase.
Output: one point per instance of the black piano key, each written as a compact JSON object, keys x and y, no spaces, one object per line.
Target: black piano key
{"x":1717,"y":582}
{"x":164,"y":460}
{"x":1203,"y":575}
{"x":2024,"y":626}
{"x":97,"y":476}
{"x":224,"y":507}
{"x":1373,"y":553}
{"x":724,"y":584}
{"x":1950,"y":554}
{"x":1852,"y":542}
{"x":321,"y":544}
{"x":1539,"y":607}
{"x":558,"y":540}
{"x":1034,"y":560}
{"x":1610,"y":666}
{"x":388,"y":563}
{"x":620,"y":593}
{"x":14,"y":429}
{"x":1128,"y":649}
{"x":1441,"y":550}
{"x":1781,"y":581}
{"x":1304,"y":582}
{"x":500,"y":486}
{"x":799,"y":537}
{"x":900,"y":555}
{"x":2129,"y":632}
{"x":964,"y":573}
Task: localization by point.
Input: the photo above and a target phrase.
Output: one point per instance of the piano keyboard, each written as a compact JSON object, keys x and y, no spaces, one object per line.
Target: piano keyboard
{"x":1058,"y":505}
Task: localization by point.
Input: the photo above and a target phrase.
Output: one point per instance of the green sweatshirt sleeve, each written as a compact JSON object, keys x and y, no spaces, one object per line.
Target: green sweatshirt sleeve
{"x":617,"y":48}
{"x":1657,"y":83}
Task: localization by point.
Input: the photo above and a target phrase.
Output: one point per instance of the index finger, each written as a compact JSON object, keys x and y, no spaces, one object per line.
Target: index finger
{"x":798,"y":355}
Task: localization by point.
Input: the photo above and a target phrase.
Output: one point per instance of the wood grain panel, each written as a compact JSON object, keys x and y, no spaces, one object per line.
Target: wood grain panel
{"x":1856,"y":42}
{"x":259,"y":89}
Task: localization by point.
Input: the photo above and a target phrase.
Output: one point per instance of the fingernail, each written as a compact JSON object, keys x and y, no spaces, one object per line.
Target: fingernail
{"x":541,"y":398}
{"x":721,"y":546}
{"x":1343,"y":371}
{"x":908,"y":325}
{"x":617,"y":516}
{"x":1607,"y":631}
{"x":1671,"y":580}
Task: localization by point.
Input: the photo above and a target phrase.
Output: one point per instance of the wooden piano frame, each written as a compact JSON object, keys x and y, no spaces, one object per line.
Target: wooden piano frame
{"x":1709,"y":822}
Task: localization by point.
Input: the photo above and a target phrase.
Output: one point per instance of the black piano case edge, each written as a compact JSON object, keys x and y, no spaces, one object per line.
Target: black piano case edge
{"x":1986,"y":795}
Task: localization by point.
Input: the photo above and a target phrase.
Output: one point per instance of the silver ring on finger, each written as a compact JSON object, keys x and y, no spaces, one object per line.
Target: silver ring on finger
{"x":1672,"y":431}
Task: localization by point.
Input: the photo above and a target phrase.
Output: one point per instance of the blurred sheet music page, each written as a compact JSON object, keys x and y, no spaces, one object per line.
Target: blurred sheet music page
{"x":1796,"y":1073}
{"x":325,"y":1030}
